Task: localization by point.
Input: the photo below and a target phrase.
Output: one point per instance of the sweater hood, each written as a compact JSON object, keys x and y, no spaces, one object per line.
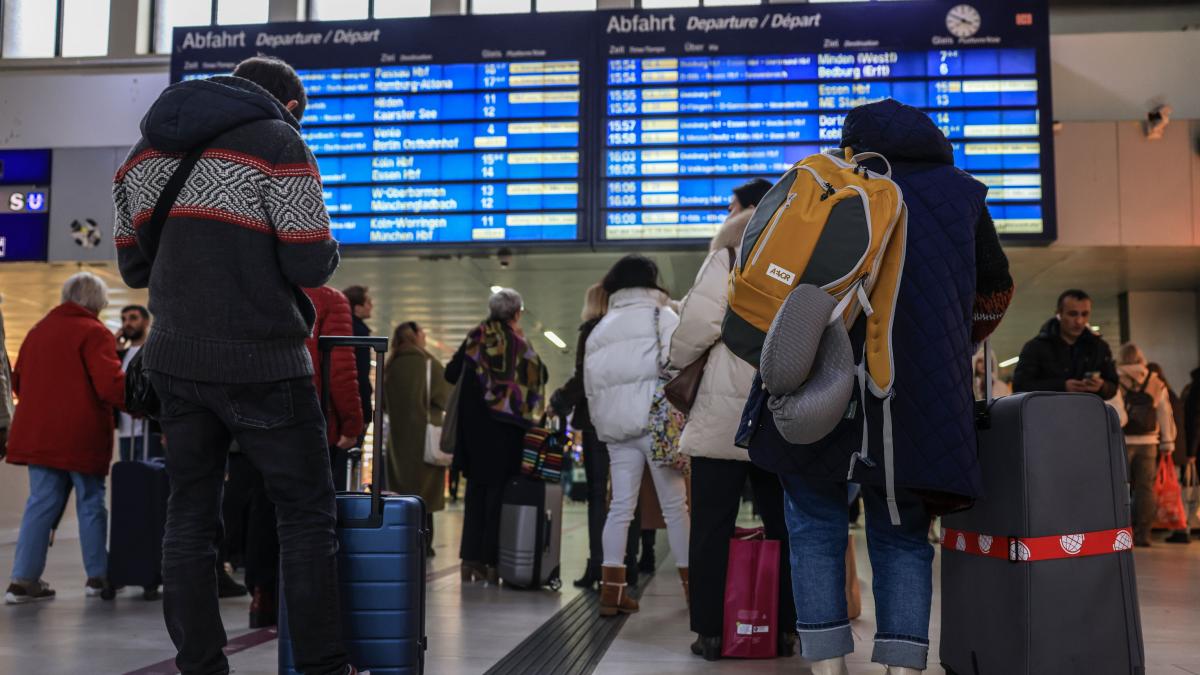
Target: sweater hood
{"x":190,"y":113}
{"x":637,"y":297}
{"x":732,"y":230}
{"x":897,"y":131}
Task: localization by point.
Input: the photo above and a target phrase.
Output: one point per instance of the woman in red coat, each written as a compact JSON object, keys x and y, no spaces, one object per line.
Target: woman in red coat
{"x":344,"y":417}
{"x":68,"y":381}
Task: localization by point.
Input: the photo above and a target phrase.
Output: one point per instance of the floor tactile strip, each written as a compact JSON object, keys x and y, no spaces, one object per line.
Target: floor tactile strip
{"x":571,"y":642}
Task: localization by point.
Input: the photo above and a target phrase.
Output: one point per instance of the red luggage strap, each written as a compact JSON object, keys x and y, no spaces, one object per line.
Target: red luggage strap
{"x":1033,"y":549}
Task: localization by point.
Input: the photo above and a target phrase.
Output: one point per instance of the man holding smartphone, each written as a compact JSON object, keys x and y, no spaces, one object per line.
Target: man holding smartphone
{"x":1066,"y":355}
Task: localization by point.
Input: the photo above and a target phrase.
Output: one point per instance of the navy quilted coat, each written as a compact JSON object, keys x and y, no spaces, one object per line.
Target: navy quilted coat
{"x":932,"y":408}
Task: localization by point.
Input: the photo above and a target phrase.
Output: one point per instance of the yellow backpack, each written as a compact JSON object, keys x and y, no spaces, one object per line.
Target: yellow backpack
{"x":833,"y":223}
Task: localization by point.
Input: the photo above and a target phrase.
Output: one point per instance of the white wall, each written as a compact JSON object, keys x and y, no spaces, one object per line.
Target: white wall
{"x":79,"y":108}
{"x":1165,"y":325}
{"x":1121,"y":76}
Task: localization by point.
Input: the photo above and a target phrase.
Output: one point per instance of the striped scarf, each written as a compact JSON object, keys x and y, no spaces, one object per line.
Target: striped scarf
{"x":510,"y":373}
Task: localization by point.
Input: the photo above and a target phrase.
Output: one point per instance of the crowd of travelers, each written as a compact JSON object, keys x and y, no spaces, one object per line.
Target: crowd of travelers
{"x":238,"y":376}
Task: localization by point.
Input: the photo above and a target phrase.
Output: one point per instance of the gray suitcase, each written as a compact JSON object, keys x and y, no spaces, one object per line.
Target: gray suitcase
{"x":1049,"y":587}
{"x":531,"y":533}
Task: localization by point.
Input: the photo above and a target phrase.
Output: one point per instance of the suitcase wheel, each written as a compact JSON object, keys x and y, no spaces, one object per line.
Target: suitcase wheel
{"x":555,"y":584}
{"x":108,"y":593}
{"x":150,"y":593}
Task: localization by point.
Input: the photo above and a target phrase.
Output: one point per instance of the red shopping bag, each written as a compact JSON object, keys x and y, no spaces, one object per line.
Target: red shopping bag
{"x":1169,"y":497}
{"x":751,"y":597}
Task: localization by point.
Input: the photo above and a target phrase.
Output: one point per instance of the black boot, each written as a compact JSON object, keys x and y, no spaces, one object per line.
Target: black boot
{"x":227,"y":587}
{"x":787,"y":645}
{"x":647,"y":563}
{"x":591,"y":576}
{"x":631,"y":571}
{"x":707,"y":646}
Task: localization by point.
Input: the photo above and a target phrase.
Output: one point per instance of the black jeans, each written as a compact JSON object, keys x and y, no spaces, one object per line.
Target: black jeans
{"x":280,"y":428}
{"x":716,"y":496}
{"x":595,"y":467}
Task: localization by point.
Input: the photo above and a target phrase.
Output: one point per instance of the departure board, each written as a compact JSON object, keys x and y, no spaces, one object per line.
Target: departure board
{"x":448,"y":130}
{"x":698,"y":102}
{"x":625,"y":126}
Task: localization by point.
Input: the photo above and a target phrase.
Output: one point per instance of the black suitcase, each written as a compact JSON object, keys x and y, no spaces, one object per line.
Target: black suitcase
{"x":1038,"y":576}
{"x":139,"y":516}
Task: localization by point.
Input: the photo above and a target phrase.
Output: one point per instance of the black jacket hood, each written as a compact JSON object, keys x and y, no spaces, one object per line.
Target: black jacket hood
{"x":190,"y":113}
{"x":897,"y":131}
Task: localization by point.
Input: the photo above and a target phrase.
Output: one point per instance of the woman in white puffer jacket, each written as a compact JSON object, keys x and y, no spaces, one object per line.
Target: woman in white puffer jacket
{"x":720,"y":468}
{"x":625,"y":353}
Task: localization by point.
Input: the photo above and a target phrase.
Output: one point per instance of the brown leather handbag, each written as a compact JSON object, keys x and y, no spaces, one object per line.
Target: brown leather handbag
{"x":682,"y":389}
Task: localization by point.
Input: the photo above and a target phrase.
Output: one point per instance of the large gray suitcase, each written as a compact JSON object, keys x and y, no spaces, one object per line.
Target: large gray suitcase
{"x":531,"y":533}
{"x":1060,"y":596}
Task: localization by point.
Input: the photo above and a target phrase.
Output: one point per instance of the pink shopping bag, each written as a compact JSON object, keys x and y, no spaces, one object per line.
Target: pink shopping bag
{"x":751,"y":597}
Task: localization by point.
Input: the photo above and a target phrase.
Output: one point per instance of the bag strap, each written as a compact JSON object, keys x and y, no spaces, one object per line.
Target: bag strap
{"x":151,"y":231}
{"x":658,"y":341}
{"x":732,"y":258}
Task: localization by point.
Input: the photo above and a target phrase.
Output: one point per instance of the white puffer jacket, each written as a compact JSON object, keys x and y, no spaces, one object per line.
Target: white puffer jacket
{"x":725,"y":385}
{"x":621,"y":365}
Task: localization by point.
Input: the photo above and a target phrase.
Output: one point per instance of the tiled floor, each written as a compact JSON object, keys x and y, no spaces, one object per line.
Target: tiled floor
{"x":471,"y":627}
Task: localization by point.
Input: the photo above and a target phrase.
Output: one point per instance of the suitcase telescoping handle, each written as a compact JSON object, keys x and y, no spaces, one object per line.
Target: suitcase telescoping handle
{"x":325,"y":345}
{"x":983,"y":411}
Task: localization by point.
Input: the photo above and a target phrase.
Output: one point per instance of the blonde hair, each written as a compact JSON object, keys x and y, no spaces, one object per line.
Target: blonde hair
{"x":1130,"y":354}
{"x":86,"y":289}
{"x":595,"y":302}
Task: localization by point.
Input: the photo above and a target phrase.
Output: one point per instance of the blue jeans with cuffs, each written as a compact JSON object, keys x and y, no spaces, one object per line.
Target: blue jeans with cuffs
{"x":901,"y":560}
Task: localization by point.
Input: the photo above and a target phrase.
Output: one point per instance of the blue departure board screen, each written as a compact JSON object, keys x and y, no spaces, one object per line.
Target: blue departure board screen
{"x":698,"y":102}
{"x":447,"y":130}
{"x":628,"y":126}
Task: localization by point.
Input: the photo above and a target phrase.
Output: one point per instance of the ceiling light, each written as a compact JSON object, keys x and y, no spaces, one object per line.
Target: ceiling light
{"x":554,"y":339}
{"x":496,"y":289}
{"x":1010,"y":362}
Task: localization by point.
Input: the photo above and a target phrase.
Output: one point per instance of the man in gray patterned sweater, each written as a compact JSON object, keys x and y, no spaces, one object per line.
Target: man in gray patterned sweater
{"x":227,"y":356}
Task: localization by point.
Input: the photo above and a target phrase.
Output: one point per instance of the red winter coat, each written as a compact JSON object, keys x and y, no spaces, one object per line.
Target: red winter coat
{"x":68,"y":380}
{"x":333,"y":318}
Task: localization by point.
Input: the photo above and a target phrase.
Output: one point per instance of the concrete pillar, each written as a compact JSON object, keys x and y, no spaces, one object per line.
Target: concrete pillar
{"x":1166,"y":325}
{"x":123,"y":23}
{"x":284,"y":10}
{"x":447,"y":7}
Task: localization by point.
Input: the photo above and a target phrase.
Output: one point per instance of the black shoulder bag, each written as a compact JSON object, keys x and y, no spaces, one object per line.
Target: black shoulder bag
{"x":140,"y":398}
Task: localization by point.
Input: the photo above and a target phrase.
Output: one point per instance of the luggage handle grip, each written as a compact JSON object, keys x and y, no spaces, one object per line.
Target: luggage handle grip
{"x":379,"y":345}
{"x":547,"y":529}
{"x":983,"y":409}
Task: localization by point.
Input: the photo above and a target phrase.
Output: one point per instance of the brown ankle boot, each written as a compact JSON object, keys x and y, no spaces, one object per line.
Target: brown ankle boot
{"x":687,"y":593}
{"x":613,"y":599}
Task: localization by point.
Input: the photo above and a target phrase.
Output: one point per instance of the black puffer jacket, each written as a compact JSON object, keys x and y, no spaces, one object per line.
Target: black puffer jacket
{"x":1047,"y":362}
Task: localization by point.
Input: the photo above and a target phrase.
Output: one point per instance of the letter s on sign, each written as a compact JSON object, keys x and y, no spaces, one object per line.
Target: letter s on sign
{"x":16,"y":201}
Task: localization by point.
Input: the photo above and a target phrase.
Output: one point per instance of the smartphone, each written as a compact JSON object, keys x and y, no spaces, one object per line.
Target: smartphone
{"x":1092,"y":375}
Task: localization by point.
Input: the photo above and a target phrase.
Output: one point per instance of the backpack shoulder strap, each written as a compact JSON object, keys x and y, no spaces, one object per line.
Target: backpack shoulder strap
{"x":732,"y":257}
{"x":151,"y":232}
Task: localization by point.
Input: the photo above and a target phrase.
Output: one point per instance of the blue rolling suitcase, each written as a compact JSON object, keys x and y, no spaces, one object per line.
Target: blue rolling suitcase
{"x":139,"y":517}
{"x":381,"y":561}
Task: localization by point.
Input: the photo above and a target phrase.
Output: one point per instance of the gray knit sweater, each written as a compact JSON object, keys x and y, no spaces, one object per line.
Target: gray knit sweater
{"x":248,"y":230}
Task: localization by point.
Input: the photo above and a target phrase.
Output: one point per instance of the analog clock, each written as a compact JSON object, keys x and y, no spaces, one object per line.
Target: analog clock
{"x":963,"y":21}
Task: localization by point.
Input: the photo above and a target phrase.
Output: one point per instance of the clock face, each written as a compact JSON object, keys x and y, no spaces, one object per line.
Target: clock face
{"x":963,"y":21}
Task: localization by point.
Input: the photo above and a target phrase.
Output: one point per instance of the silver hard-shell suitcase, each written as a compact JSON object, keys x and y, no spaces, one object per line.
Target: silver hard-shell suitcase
{"x":531,"y":533}
{"x":1038,"y":577}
